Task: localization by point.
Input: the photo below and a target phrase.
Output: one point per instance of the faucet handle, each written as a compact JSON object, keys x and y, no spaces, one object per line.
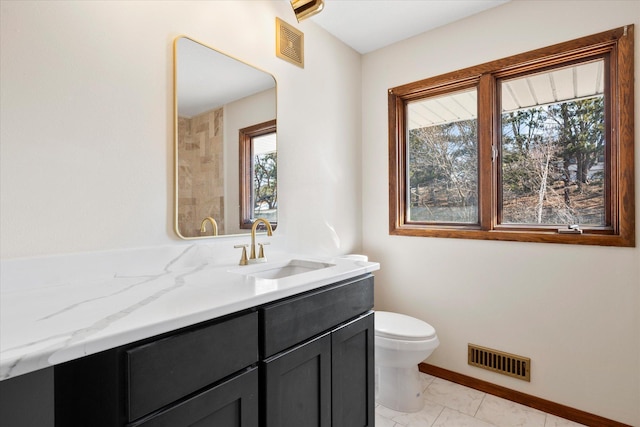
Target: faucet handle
{"x":243,"y":258}
{"x":261,"y":252}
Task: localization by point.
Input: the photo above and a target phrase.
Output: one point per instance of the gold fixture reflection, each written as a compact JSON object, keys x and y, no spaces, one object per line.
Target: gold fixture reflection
{"x":306,"y":8}
{"x":214,"y":224}
{"x":252,"y":257}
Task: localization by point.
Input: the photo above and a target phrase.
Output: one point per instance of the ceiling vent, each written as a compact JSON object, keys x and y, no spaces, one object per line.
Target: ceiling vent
{"x":289,"y":43}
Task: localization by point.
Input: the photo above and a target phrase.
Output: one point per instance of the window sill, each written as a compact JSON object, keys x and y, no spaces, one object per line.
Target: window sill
{"x":552,"y":236}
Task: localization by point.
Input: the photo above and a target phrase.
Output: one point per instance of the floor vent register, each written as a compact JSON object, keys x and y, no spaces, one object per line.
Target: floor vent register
{"x":500,"y":361}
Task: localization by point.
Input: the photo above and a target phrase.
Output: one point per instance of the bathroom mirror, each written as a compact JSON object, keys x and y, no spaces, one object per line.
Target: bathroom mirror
{"x":216,"y":98}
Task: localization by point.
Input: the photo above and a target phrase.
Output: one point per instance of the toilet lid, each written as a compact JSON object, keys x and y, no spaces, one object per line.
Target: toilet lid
{"x":400,"y":326}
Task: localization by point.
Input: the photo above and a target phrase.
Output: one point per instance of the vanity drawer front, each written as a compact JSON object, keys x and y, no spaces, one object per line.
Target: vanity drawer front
{"x":291,"y":321}
{"x":233,"y":403}
{"x":168,"y":369}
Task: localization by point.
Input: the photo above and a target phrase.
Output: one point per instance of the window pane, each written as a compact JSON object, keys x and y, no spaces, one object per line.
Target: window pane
{"x":265,"y":197}
{"x":553,"y":147}
{"x":443,"y":159}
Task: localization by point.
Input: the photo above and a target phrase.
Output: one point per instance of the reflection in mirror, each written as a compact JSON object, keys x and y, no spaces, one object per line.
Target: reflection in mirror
{"x":216,"y":96}
{"x":258,"y":174}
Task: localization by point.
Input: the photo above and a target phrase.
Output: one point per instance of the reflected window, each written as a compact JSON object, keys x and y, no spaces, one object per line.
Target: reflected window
{"x":258,"y":174}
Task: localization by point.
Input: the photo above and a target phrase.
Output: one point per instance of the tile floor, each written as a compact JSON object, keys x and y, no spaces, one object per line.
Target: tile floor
{"x":452,"y":405}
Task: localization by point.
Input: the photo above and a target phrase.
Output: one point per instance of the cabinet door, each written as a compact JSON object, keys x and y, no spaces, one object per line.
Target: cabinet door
{"x":234,"y":403}
{"x":353,"y":373}
{"x":298,"y":386}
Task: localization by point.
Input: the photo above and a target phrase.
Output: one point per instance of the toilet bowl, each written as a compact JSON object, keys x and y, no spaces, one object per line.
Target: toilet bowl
{"x":401,"y":343}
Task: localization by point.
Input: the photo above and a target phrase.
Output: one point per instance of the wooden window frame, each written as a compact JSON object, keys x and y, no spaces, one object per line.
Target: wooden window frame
{"x":246,"y":136}
{"x":617,"y":46}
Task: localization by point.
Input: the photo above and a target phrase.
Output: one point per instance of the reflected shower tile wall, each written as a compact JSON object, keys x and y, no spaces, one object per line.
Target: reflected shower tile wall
{"x":200,"y":171}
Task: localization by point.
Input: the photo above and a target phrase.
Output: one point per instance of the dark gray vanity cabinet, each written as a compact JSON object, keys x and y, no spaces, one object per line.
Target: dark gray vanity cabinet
{"x":305,"y":360}
{"x":325,"y":378}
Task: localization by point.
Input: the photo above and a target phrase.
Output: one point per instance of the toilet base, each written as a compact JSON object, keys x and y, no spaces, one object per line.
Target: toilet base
{"x":399,"y":389}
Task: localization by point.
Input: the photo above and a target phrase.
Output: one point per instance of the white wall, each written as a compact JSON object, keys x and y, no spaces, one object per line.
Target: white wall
{"x":87,"y":134}
{"x":573,"y":310}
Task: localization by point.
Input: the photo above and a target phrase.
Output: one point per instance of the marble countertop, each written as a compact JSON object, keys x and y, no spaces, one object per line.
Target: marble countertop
{"x":59,"y":308}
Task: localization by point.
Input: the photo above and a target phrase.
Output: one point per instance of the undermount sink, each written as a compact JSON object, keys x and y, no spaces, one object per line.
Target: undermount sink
{"x":281,"y":270}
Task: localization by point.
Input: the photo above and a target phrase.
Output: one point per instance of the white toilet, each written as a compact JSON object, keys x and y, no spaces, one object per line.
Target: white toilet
{"x":401,"y":343}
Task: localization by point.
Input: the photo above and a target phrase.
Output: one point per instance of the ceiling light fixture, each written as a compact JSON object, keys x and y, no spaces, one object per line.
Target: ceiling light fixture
{"x":306,"y":8}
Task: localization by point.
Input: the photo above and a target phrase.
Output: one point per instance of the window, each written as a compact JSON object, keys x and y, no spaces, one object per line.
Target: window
{"x":553,"y":146}
{"x":443,"y":158}
{"x":258,"y":174}
{"x":536,"y":147}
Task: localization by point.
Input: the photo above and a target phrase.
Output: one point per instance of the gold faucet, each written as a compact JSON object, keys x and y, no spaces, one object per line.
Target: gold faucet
{"x":214,"y":224}
{"x":254,"y":227}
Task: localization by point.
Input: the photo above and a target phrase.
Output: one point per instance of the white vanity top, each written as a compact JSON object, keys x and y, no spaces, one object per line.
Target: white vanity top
{"x":59,"y":308}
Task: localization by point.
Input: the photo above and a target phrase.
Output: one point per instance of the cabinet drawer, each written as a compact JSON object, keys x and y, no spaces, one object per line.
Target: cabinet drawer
{"x":166,"y":370}
{"x":291,"y":321}
{"x":233,"y":403}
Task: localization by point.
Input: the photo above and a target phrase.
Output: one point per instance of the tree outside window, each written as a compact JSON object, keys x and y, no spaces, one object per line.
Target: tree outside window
{"x":265,"y":175}
{"x":553,"y":154}
{"x":258,"y":174}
